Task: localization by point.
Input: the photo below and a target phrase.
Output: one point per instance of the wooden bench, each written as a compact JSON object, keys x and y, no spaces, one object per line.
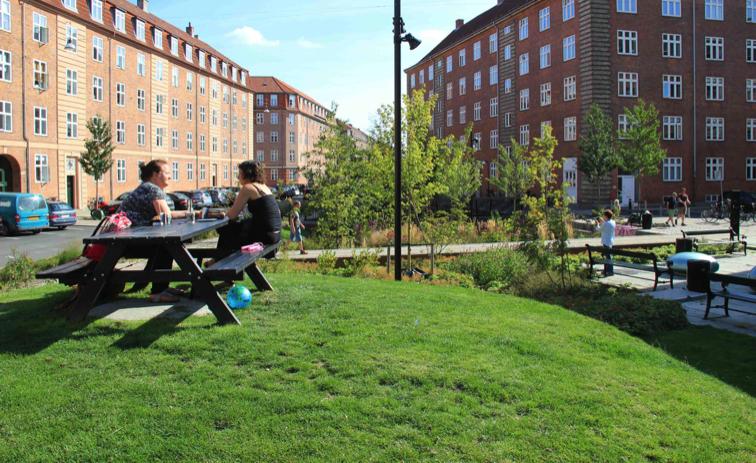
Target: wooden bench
{"x":235,"y":265}
{"x":734,"y":240}
{"x":725,"y":293}
{"x":651,"y":266}
{"x":70,"y":273}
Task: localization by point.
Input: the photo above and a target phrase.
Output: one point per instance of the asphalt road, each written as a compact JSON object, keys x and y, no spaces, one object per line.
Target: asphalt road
{"x":42,"y":245}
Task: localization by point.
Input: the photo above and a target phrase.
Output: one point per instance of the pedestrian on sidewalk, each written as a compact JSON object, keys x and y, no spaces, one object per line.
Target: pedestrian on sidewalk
{"x":607,"y":226}
{"x":683,"y":201}
{"x":296,"y":226}
{"x":671,"y":203}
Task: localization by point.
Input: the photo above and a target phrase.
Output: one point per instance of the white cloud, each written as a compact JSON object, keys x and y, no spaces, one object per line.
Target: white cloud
{"x":431,"y":37}
{"x":250,"y":36}
{"x":304,"y":43}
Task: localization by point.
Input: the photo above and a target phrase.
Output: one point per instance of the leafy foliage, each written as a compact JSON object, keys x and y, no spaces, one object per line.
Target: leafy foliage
{"x":598,"y":154}
{"x":500,"y":268}
{"x":640,"y":149}
{"x":514,"y":176}
{"x":97,"y":158}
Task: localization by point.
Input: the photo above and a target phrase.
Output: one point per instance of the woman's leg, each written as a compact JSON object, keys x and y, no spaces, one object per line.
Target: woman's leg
{"x":230,"y":240}
{"x":162,"y":260}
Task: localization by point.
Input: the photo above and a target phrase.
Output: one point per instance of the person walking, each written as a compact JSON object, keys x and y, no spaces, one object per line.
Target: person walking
{"x":607,"y":226}
{"x":296,"y":226}
{"x":683,"y":201}
{"x":671,"y":203}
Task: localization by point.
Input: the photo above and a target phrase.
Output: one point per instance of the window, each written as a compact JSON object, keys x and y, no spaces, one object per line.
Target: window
{"x":40,"y":32}
{"x":214,"y":64}
{"x":173,"y":41}
{"x":493,"y":139}
{"x":6,"y":66}
{"x":159,"y":70}
{"x":97,"y":84}
{"x":175,"y":77}
{"x":159,"y":136}
{"x":6,"y":116}
{"x":449,"y":90}
{"x":525,"y":134}
{"x":714,"y":169}
{"x":672,"y":87}
{"x":672,"y":128}
{"x":462,"y":88}
{"x":493,"y":75}
{"x":141,"y":70}
{"x":568,"y":9}
{"x":72,"y":38}
{"x":492,"y":170}
{"x":119,"y":21}
{"x":493,"y":106}
{"x":448,"y":64}
{"x":120,"y":132}
{"x":274,"y":137}
{"x":751,"y":90}
{"x":672,"y":170}
{"x":189,"y":141}
{"x":524,"y":99}
{"x":202,"y":144}
{"x":159,"y":102}
{"x":546,"y":94}
{"x":507,"y":119}
{"x":202,"y":171}
{"x":157,"y":38}
{"x":190,"y":171}
{"x":72,"y":84}
{"x":97,"y":48}
{"x":274,"y":118}
{"x":751,"y":51}
{"x":751,"y":11}
{"x":570,"y":88}
{"x":568,"y":48}
{"x":174,"y":139}
{"x":175,"y":170}
{"x":570,"y":128}
{"x":623,"y":125}
{"x":493,"y":47}
{"x":422,"y":77}
{"x":508,"y":52}
{"x":96,"y":10}
{"x":671,"y":45}
{"x":671,"y":8}
{"x":462,"y":58}
{"x":72,"y":125}
{"x":40,"y":75}
{"x":141,"y":135}
{"x":714,"y":10}
{"x":188,"y":52}
{"x":477,"y":80}
{"x":274,"y":155}
{"x":545,"y":56}
{"x":476,"y":51}
{"x":70,"y":4}
{"x":476,"y":111}
{"x":751,"y":130}
{"x":140,"y":99}
{"x":627,"y":84}
{"x":544,"y":19}
{"x":189,"y":111}
{"x":750,"y":168}
{"x":524,"y":64}
{"x":120,"y":57}
{"x":139,"y":29}
{"x":121,"y":94}
{"x":41,"y":169}
{"x":40,"y":121}
{"x":715,"y":127}
{"x":714,"y":48}
{"x":449,"y":118}
{"x":5,"y":20}
{"x":715,"y":88}
{"x":523,"y":28}
{"x":627,"y":6}
{"x":627,"y":42}
{"x":174,"y":108}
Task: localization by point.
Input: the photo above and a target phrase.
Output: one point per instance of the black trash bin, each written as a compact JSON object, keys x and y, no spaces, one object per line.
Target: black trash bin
{"x":698,"y":280}
{"x":684,"y":245}
{"x":647,"y":220}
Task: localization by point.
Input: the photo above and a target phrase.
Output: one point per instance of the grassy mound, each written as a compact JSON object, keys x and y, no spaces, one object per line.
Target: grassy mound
{"x":337,"y":369}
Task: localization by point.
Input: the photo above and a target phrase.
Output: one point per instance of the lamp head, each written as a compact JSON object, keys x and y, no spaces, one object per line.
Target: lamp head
{"x":413,"y":42}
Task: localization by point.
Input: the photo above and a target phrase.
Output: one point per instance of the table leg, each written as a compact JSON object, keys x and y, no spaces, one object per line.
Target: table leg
{"x":90,"y":291}
{"x":258,"y":278}
{"x":200,"y":285}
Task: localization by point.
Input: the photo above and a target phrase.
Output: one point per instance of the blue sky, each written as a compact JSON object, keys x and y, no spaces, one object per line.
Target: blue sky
{"x":333,"y":50}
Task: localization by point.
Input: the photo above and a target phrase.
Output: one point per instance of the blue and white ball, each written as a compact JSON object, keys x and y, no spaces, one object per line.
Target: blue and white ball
{"x":238,"y":297}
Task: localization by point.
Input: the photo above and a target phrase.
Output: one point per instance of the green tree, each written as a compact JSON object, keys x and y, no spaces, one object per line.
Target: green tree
{"x":598,"y":154}
{"x":640,"y":150}
{"x":97,"y":159}
{"x":459,"y":171}
{"x":513,"y":174}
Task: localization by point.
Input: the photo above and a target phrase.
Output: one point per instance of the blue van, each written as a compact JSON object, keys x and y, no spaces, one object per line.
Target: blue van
{"x":23,"y":212}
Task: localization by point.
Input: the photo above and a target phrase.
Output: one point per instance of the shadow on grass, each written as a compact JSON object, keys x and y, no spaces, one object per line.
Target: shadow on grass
{"x":725,"y":355}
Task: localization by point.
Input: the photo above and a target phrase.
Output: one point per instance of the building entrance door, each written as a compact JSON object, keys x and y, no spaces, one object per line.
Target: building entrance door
{"x":214,"y":175}
{"x":570,"y":178}
{"x":5,"y":174}
{"x":627,"y":190}
{"x":71,"y":190}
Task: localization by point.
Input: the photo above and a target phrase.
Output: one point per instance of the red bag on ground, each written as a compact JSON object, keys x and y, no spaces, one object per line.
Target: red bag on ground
{"x":113,"y":223}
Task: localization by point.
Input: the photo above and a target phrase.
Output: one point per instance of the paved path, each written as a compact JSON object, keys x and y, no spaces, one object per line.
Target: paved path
{"x":42,"y":245}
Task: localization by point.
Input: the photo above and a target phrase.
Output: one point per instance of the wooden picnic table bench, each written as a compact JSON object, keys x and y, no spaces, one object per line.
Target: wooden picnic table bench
{"x":734,"y":240}
{"x":726,"y":293}
{"x":651,"y":266}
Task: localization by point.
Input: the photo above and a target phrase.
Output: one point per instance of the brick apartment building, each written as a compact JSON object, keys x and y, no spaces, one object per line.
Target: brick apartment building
{"x":166,"y":94}
{"x":526,"y":63}
{"x":287,"y":125}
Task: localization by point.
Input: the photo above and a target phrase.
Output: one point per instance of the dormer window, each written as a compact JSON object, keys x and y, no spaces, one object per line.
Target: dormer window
{"x":96,"y":10}
{"x":157,"y":38}
{"x":140,"y":29}
{"x":188,"y":52}
{"x":224,"y":69}
{"x":201,"y":59}
{"x":214,"y":64}
{"x":70,"y":4}
{"x":174,"y":46}
{"x":234,"y":74}
{"x":119,"y":21}
{"x":72,"y":38}
{"x":243,"y":82}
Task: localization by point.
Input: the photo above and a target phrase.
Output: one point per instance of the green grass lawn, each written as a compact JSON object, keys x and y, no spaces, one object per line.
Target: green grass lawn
{"x":338,"y":369}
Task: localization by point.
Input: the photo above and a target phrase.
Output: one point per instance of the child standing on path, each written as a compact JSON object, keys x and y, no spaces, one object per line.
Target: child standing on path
{"x":607,"y":227}
{"x":671,"y":203}
{"x":296,"y":226}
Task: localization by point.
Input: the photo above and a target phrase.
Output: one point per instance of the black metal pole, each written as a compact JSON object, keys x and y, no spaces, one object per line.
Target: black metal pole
{"x":397,"y":141}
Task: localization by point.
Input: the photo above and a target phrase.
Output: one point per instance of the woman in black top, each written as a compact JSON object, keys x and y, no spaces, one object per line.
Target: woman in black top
{"x":265,"y":224}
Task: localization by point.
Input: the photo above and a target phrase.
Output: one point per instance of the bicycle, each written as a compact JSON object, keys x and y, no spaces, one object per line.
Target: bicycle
{"x":95,"y":210}
{"x":717,"y":211}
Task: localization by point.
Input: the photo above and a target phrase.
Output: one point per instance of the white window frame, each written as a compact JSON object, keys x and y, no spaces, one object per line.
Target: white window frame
{"x":95,"y":10}
{"x":523,"y":29}
{"x":6,"y":66}
{"x":157,"y":38}
{"x":570,"y":128}
{"x":72,"y":125}
{"x":524,"y":67}
{"x":6,"y":116}
{"x":524,"y":99}
{"x":627,"y":6}
{"x":476,"y":51}
{"x":119,"y":21}
{"x":40,"y":121}
{"x":672,"y":169}
{"x":72,"y":82}
{"x":672,"y":87}
{"x":627,"y":42}
{"x":714,"y":10}
{"x":493,"y":47}
{"x":139,"y":29}
{"x":715,"y":169}
{"x":751,"y":129}
{"x":41,"y":168}
{"x":715,"y":129}
{"x":39,"y":22}
{"x":750,"y":50}
{"x":671,"y":8}
{"x":627,"y":84}
{"x":5,"y":15}
{"x":569,"y":48}
{"x":715,"y":87}
{"x":568,"y":10}
{"x":120,"y":57}
{"x":493,"y":107}
{"x":671,"y":45}
{"x":751,"y":90}
{"x":544,"y":19}
{"x":714,"y":48}
{"x":98,"y":85}
{"x":545,"y":94}
{"x":120,"y":94}
{"x":672,"y":128}
{"x":570,"y":88}
{"x":751,"y":169}
{"x":544,"y":56}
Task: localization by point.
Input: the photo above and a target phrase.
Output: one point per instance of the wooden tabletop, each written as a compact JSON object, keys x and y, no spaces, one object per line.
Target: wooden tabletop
{"x":178,"y":230}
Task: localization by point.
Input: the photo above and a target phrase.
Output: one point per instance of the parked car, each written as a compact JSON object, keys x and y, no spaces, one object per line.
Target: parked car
{"x":113,"y":206}
{"x":289,"y":191}
{"x":200,"y":198}
{"x":62,"y":215}
{"x":219,"y":196}
{"x":180,"y":200}
{"x":23,"y":212}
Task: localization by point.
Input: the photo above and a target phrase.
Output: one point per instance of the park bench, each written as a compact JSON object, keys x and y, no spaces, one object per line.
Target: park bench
{"x":727,"y":294}
{"x":651,"y":265}
{"x":734,"y":240}
{"x":70,"y":273}
{"x":235,"y":265}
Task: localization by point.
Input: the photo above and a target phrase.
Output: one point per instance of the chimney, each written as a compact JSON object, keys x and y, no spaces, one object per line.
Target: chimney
{"x":144,"y":5}
{"x":499,"y":2}
{"x":190,"y":29}
{"x":459,"y":23}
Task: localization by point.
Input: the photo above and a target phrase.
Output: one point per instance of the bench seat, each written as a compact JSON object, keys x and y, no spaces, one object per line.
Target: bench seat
{"x":725,"y":293}
{"x":235,"y":265}
{"x":648,"y":256}
{"x":734,"y":239}
{"x":68,"y":273}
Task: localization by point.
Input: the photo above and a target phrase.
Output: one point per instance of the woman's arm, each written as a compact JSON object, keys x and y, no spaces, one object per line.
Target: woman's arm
{"x":161,"y":206}
{"x":239,"y":203}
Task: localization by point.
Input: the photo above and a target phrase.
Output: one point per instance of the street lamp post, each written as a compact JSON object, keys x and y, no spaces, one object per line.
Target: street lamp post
{"x":399,"y":37}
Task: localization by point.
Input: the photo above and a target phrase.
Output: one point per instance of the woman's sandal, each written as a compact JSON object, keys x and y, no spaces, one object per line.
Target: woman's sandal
{"x":163,"y":297}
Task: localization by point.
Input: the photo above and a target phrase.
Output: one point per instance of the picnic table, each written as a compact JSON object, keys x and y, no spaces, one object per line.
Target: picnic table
{"x":172,"y":238}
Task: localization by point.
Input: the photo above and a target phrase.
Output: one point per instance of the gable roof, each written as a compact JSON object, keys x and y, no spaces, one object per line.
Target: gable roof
{"x":270,"y":84}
